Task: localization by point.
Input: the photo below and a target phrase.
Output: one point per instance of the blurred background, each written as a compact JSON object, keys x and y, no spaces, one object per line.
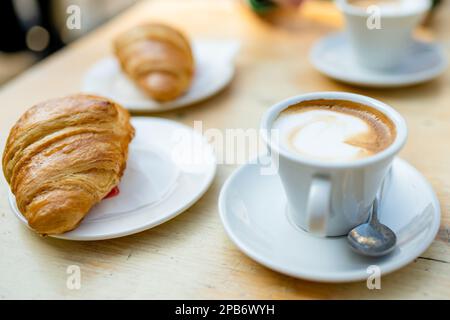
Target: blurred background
{"x":34,"y":29}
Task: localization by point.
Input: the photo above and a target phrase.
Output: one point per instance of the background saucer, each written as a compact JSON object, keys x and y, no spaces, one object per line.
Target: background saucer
{"x":333,"y":57}
{"x":253,"y":211}
{"x":214,"y":70}
{"x":169,"y":168}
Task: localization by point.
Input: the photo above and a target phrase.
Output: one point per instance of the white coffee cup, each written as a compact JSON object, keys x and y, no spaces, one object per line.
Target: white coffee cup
{"x":382,"y":46}
{"x":330,"y":198}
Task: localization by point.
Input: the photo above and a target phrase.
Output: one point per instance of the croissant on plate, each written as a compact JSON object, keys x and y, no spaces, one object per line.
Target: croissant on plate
{"x":158,"y":58}
{"x":63,"y":156}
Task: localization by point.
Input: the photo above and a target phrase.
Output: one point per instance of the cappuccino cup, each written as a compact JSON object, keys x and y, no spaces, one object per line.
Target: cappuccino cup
{"x":333,"y":151}
{"x":380,"y":32}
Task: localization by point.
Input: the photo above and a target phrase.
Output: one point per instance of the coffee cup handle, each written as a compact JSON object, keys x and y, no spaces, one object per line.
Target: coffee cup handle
{"x":318,"y":205}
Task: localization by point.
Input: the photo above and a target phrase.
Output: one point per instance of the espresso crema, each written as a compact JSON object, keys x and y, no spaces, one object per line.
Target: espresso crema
{"x":334,"y":130}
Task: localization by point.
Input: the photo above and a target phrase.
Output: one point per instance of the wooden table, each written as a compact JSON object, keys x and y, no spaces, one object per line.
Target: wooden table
{"x":191,"y":256}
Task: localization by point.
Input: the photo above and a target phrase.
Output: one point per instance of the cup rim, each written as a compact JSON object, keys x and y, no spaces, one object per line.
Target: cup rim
{"x":400,"y":124}
{"x":347,"y":8}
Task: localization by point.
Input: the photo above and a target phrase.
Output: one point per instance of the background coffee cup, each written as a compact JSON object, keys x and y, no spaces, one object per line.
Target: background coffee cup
{"x":384,"y":45}
{"x":330,"y":198}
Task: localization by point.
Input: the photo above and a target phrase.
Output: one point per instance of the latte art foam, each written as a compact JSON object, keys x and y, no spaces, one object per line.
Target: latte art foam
{"x":333,"y":130}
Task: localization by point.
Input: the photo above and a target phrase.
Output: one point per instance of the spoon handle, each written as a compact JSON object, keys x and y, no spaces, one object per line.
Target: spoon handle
{"x":374,"y":216}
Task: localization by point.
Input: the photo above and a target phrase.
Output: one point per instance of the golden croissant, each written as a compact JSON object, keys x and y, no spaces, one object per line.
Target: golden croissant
{"x":63,"y":156}
{"x":158,"y":58}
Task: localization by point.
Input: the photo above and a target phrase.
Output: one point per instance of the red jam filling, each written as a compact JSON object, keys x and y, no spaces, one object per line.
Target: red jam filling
{"x":114,"y":192}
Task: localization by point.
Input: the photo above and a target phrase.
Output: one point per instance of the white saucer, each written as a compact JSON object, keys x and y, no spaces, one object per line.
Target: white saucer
{"x":214,"y":70}
{"x":332,"y":56}
{"x":170,"y":167}
{"x":253,"y":210}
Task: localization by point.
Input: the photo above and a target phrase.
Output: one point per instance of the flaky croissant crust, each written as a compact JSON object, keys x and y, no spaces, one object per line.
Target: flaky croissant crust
{"x":65,"y":155}
{"x":158,"y":58}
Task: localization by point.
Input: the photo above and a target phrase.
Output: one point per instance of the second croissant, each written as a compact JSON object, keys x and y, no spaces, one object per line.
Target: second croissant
{"x":158,"y":58}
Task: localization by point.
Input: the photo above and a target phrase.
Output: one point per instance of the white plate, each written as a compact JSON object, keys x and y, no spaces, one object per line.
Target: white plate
{"x":333,"y":57}
{"x":253,"y":210}
{"x":169,"y":168}
{"x":214,"y":70}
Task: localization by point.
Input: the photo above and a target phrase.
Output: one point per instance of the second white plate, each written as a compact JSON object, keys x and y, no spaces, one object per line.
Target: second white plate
{"x":214,"y":70}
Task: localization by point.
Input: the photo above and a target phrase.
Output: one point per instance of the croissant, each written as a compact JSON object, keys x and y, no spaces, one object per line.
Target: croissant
{"x":63,"y":156}
{"x":158,"y":58}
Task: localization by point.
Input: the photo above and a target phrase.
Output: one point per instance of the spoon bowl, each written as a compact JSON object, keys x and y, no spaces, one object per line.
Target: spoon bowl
{"x":373,"y":238}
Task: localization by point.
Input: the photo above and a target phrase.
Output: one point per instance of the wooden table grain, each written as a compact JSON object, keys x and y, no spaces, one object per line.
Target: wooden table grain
{"x":191,"y":256}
